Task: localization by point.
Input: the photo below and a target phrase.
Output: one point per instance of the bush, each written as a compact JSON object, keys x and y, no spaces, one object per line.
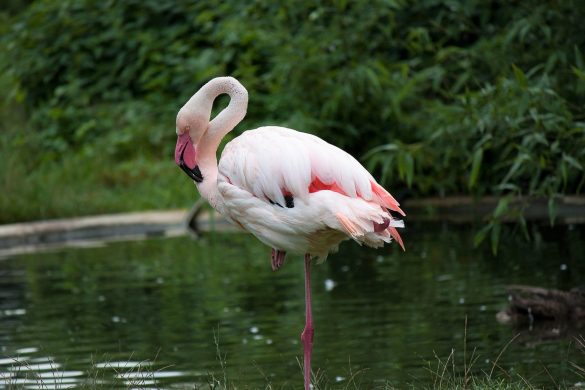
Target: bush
{"x":475,"y":97}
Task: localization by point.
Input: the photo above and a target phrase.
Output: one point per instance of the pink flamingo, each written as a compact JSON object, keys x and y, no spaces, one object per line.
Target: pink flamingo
{"x":293,"y":191}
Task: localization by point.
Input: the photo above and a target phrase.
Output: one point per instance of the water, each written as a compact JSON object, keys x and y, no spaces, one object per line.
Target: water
{"x":156,"y":313}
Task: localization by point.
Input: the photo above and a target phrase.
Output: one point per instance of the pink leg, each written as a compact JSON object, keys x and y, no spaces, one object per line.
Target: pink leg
{"x":308,"y":332}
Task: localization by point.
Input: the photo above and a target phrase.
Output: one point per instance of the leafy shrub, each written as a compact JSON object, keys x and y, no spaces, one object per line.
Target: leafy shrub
{"x":475,"y":97}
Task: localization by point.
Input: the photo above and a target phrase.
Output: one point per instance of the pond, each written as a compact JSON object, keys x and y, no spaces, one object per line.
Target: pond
{"x":178,"y":312}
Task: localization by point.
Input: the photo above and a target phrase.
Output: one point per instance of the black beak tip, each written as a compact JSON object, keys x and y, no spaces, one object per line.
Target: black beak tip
{"x":197,"y":176}
{"x":194,"y":174}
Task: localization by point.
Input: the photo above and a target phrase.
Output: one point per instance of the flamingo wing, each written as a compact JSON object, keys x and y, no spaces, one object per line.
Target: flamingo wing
{"x":274,"y":163}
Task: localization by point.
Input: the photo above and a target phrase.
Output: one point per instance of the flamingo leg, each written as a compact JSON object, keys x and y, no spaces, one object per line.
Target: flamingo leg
{"x":308,"y":332}
{"x":277,"y":259}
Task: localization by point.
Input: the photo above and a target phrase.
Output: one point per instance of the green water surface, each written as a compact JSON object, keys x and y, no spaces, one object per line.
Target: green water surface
{"x":148,"y":314}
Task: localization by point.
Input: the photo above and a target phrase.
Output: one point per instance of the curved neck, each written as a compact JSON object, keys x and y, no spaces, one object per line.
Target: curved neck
{"x":222,"y":124}
{"x":227,"y":119}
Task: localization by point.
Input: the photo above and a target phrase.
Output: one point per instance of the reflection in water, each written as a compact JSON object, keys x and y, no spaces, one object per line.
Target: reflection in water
{"x":155,"y":313}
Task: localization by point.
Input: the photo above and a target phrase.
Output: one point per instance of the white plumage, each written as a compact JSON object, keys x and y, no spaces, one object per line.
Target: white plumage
{"x":259,"y":167}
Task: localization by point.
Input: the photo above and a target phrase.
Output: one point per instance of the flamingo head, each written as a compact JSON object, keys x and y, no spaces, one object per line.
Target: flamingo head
{"x":190,"y":129}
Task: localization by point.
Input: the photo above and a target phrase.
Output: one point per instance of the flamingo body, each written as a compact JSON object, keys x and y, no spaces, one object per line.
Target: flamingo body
{"x":333,"y":196}
{"x":293,"y":191}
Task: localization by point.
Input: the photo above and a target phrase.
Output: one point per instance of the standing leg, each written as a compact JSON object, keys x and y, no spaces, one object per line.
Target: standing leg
{"x":308,"y":332}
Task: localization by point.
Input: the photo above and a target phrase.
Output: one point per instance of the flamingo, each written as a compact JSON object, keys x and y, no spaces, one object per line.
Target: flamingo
{"x":295,"y":192}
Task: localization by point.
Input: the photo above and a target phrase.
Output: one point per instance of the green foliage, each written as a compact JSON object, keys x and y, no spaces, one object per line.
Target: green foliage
{"x":85,"y":183}
{"x":444,"y":98}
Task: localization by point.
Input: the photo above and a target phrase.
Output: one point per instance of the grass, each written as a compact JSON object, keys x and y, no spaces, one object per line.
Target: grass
{"x":85,"y":182}
{"x":445,"y":374}
{"x":72,"y":187}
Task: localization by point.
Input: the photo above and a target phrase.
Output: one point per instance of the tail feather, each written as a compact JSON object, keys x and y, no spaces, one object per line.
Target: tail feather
{"x":348,"y":226}
{"x":396,"y":236}
{"x":386,"y":199}
{"x":364,"y":229}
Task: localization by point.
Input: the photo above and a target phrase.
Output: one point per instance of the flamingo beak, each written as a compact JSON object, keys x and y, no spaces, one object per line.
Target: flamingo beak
{"x":185,"y":157}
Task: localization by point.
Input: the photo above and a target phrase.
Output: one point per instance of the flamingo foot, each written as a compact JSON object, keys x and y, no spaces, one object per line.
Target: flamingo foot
{"x":277,"y":259}
{"x":309,"y":331}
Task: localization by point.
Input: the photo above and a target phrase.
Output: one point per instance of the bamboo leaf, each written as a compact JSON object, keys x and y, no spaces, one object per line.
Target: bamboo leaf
{"x":552,"y":210}
{"x":516,"y":166}
{"x":480,"y":235}
{"x":495,"y":237}
{"x":523,"y":227}
{"x":579,"y":73}
{"x":409,"y":166}
{"x":579,"y":58}
{"x":401,"y":166}
{"x":475,"y":168}
{"x":572,"y":161}
{"x":382,"y":148}
{"x":502,"y":207}
{"x":520,"y":77}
